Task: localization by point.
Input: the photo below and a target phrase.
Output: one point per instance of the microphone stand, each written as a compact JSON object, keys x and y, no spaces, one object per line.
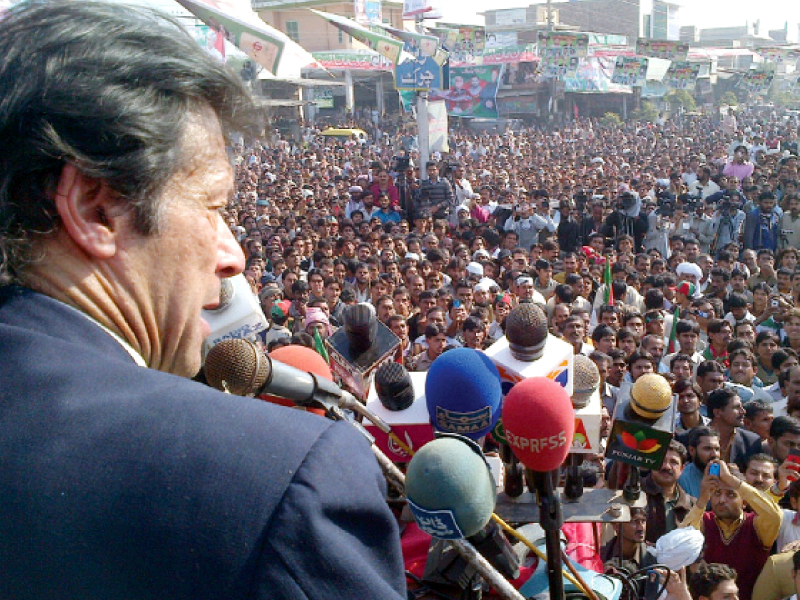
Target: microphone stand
{"x":551,"y":520}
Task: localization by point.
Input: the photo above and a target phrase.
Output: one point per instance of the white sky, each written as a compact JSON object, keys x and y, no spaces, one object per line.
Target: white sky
{"x":703,"y":13}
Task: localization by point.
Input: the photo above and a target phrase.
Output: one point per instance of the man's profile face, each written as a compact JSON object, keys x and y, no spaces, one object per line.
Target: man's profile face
{"x":733,"y":413}
{"x":193,"y":246}
{"x":788,"y":442}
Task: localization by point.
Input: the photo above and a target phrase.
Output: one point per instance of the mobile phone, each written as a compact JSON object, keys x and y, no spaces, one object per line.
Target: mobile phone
{"x":714,"y":469}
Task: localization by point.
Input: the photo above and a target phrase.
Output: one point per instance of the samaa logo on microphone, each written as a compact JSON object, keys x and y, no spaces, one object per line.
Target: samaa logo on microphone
{"x":464,"y":422}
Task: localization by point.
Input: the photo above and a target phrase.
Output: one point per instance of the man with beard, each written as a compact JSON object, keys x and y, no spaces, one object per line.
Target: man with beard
{"x":727,"y":417}
{"x":667,"y":503}
{"x":739,"y":539}
{"x":703,"y":445}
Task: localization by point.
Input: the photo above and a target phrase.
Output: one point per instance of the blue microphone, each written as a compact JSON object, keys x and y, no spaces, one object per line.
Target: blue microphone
{"x":463,"y":393}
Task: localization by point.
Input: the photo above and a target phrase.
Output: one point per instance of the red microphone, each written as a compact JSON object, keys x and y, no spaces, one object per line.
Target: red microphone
{"x":539,"y":423}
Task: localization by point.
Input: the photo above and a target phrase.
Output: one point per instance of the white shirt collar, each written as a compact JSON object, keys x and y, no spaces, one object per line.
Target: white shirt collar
{"x":137,"y":358}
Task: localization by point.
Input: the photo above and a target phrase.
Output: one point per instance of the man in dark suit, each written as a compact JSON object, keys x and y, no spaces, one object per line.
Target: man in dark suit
{"x":119,"y":476}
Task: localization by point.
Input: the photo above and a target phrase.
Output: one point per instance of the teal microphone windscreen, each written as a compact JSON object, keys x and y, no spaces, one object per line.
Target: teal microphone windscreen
{"x":450,"y":489}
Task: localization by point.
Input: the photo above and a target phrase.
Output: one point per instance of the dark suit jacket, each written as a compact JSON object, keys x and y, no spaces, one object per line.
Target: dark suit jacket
{"x":118,"y":481}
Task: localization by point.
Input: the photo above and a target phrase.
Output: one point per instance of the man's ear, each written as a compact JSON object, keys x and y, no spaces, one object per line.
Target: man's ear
{"x":85,"y":206}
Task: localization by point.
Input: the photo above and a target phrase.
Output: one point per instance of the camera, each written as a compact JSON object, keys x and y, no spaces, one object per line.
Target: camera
{"x":626,"y":201}
{"x":400,"y":163}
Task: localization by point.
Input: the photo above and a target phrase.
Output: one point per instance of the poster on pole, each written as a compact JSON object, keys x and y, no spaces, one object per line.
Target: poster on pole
{"x":384,"y":45}
{"x":473,"y":91}
{"x":415,"y":43}
{"x":437,"y":127}
{"x":630,"y":70}
{"x":681,"y":75}
{"x":757,"y":81}
{"x":270,"y":48}
{"x":664,"y":49}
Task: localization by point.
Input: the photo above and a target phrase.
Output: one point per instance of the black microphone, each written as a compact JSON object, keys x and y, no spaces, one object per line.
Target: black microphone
{"x":360,"y":325}
{"x":393,"y":386}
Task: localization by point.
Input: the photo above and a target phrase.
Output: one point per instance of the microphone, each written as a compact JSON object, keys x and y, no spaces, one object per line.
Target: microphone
{"x":450,"y":489}
{"x":451,"y":494}
{"x":526,"y":331}
{"x":644,"y":421}
{"x":539,"y":423}
{"x":360,"y":326}
{"x":463,"y":393}
{"x":239,"y":367}
{"x":586,"y":381}
{"x":305,"y":359}
{"x":359,"y":347}
{"x":393,"y":386}
{"x":238,"y":314}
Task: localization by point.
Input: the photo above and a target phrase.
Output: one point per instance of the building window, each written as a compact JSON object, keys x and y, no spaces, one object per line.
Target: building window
{"x":341,"y":35}
{"x":293,"y":30}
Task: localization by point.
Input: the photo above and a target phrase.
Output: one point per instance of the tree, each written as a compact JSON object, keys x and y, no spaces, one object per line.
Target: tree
{"x":647,"y":112}
{"x":681,"y":98}
{"x":729,"y":98}
{"x":611,"y":119}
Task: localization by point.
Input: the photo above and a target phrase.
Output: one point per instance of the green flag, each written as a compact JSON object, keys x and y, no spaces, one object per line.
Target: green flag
{"x":673,"y":333}
{"x":609,"y":293}
{"x":319,"y":346}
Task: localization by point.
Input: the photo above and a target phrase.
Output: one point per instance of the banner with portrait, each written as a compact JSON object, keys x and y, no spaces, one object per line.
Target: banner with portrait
{"x":779,"y":56}
{"x":473,"y":91}
{"x":559,"y":67}
{"x":466,"y":44}
{"x":630,"y":70}
{"x":558,"y":44}
{"x":666,"y":49}
{"x":682,"y":75}
{"x":757,"y":81}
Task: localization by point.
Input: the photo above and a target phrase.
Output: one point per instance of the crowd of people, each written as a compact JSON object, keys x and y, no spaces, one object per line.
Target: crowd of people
{"x":667,"y":247}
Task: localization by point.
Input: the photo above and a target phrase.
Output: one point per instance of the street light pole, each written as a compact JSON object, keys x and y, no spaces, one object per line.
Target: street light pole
{"x":423,"y":139}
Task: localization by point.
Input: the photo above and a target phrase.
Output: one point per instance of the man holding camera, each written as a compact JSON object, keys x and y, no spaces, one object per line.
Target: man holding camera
{"x":739,"y":539}
{"x":435,"y":197}
{"x":761,"y":226}
{"x":790,"y":225}
{"x":726,"y":224}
